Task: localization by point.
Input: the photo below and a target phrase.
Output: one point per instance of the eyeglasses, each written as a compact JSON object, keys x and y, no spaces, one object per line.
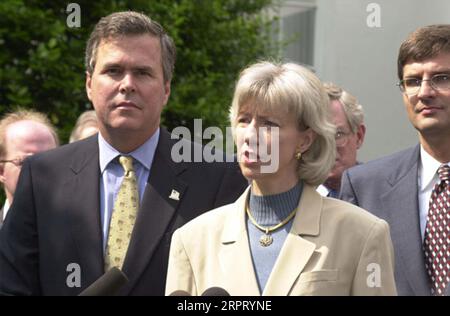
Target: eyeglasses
{"x":18,"y":162}
{"x":411,"y":86}
{"x":341,"y":138}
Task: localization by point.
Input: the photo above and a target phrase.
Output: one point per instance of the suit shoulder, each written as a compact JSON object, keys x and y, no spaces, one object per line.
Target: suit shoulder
{"x":65,"y":152}
{"x":211,"y":220}
{"x":349,"y":215}
{"x":382,"y":166}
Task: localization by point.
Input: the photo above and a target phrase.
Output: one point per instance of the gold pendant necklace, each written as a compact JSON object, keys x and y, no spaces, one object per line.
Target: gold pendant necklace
{"x":266,"y":239}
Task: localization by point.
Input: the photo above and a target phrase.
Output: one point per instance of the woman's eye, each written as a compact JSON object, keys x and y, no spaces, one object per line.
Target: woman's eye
{"x":271,"y":123}
{"x":243,"y":120}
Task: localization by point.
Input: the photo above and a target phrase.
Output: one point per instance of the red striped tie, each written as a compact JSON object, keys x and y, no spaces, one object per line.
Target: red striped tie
{"x":437,"y":234}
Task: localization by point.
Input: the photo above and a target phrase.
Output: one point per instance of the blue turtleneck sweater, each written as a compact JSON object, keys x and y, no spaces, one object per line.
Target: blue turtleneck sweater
{"x":269,"y":210}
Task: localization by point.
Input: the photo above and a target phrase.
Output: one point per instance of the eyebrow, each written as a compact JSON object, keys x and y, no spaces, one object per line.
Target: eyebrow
{"x":116,"y":65}
{"x":143,"y":68}
{"x":436,"y":72}
{"x":111,"y":65}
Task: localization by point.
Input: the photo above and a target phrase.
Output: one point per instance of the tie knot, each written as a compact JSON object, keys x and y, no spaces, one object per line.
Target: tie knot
{"x":444,"y":173}
{"x":127,"y":163}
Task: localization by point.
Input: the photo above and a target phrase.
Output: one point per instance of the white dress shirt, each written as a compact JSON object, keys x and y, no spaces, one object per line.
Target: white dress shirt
{"x":323,"y":190}
{"x":5,"y":209}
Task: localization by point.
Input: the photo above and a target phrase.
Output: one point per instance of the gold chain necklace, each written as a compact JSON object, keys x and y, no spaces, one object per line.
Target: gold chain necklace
{"x":267,"y":239}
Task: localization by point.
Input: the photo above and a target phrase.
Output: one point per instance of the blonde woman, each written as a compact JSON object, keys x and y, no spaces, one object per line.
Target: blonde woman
{"x":281,"y":237}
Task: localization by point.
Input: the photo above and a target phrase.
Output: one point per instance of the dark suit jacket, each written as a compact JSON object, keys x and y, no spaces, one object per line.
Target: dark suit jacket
{"x":388,"y":188}
{"x":55,"y":219}
{"x":1,"y":217}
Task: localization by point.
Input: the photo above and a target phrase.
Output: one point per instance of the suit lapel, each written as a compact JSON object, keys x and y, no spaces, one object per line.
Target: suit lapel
{"x":83,"y":209}
{"x":296,"y":251}
{"x":156,"y":211}
{"x":1,"y":216}
{"x":402,"y":201}
{"x":235,"y":258}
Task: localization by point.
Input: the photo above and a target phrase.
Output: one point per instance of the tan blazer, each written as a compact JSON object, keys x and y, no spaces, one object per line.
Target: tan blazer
{"x":333,"y":248}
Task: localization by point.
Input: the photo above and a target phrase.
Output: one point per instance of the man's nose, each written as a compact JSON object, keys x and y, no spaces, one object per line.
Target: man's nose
{"x":426,"y":89}
{"x":127,"y":84}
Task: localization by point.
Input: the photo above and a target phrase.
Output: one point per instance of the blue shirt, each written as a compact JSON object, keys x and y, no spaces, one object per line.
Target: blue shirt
{"x":112,"y":175}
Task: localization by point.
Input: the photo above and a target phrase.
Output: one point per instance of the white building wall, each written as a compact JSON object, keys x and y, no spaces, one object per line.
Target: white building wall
{"x":363,"y":59}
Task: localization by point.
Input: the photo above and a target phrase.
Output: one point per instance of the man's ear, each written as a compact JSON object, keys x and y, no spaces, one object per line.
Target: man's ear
{"x":167,"y":87}
{"x":88,"y":85}
{"x":2,"y":173}
{"x":360,"y":134}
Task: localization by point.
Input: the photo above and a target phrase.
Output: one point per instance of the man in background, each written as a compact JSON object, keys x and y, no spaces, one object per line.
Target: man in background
{"x":22,"y":134}
{"x":86,"y":125}
{"x":348,"y":117}
{"x":410,"y":189}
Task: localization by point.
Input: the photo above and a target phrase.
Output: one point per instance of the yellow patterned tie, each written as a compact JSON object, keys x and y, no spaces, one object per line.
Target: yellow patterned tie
{"x":123,"y":216}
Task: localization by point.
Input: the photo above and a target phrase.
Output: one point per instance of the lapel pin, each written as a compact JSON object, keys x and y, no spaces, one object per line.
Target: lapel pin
{"x":174,"y":195}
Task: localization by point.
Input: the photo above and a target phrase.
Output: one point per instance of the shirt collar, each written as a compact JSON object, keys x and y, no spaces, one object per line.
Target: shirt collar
{"x":144,"y":154}
{"x":323,"y":190}
{"x":5,"y":208}
{"x":428,"y":169}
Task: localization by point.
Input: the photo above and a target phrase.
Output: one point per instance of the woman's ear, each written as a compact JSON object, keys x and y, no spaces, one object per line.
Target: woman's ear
{"x":306,"y":139}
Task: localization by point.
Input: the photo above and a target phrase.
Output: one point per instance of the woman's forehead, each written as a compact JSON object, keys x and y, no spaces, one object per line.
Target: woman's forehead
{"x":263,"y":109}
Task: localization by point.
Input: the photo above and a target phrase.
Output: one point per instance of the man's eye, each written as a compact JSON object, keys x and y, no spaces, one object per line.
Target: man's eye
{"x":412,"y":82}
{"x":112,"y":71}
{"x":143,"y":73}
{"x":444,"y":78}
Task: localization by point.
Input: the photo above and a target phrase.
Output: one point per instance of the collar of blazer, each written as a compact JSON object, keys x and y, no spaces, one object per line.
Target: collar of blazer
{"x":235,"y":254}
{"x":86,"y":150}
{"x":404,"y":162}
{"x":306,"y":221}
{"x":403,"y":217}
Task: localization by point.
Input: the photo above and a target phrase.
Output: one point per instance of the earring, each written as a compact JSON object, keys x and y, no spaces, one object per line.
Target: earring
{"x":298,"y":156}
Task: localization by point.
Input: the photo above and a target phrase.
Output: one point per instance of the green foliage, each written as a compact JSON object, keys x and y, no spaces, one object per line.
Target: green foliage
{"x":41,"y":58}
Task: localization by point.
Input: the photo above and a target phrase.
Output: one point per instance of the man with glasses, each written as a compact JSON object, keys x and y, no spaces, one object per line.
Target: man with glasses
{"x":22,"y":133}
{"x":410,"y":189}
{"x":348,"y":116}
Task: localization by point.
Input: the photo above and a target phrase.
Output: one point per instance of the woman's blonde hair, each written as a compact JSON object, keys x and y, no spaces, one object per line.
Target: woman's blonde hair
{"x":296,"y":90}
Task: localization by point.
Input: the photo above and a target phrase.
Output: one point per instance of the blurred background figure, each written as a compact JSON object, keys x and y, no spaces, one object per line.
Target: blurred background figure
{"x":348,"y":116}
{"x":86,"y":125}
{"x":22,"y":134}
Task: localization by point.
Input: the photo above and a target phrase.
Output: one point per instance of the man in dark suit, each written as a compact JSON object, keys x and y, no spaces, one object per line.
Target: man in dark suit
{"x":57,"y":239}
{"x":404,"y":187}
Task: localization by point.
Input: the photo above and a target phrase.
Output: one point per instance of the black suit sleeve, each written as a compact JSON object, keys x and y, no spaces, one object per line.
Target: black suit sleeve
{"x":19,"y":254}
